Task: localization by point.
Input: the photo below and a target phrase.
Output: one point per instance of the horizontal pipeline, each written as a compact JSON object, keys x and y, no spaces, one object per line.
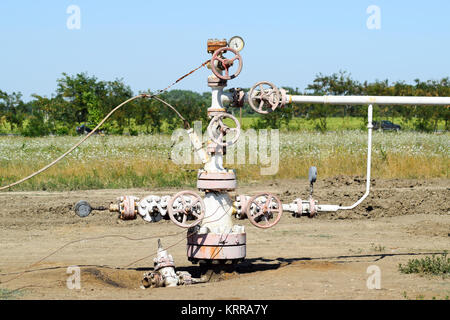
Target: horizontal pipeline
{"x":357,"y":100}
{"x":379,"y":100}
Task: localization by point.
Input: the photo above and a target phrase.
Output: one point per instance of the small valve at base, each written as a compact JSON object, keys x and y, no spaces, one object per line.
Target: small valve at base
{"x":164,"y":274}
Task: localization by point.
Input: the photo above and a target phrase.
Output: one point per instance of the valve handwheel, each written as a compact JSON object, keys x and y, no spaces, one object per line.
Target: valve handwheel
{"x":217,"y":129}
{"x":266,"y":99}
{"x":225,"y":64}
{"x":267,"y":210}
{"x":194,"y":209}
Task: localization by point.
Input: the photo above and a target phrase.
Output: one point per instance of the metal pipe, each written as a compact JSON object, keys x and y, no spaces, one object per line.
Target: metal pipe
{"x":327,"y":208}
{"x":380,"y":100}
{"x":369,"y":160}
{"x":355,"y":100}
{"x":228,"y":97}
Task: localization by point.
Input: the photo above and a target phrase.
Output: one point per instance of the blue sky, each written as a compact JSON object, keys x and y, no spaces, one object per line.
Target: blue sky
{"x":151,"y":43}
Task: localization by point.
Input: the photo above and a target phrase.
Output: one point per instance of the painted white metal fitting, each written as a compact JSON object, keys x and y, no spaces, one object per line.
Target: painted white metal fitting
{"x":165,"y":265}
{"x":225,"y":181}
{"x":150,"y":208}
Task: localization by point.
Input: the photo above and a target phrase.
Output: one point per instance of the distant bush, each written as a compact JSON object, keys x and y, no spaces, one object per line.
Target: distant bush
{"x":133,"y":128}
{"x":35,"y":127}
{"x":436,"y":265}
{"x":112,"y":127}
{"x":5,"y":126}
{"x":62,"y":130}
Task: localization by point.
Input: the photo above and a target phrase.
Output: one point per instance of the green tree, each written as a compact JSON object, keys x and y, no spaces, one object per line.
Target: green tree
{"x":339,"y":83}
{"x":12,"y":108}
{"x":74,"y":89}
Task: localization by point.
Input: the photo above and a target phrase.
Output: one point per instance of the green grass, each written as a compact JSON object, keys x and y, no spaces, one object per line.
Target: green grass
{"x":142,"y":161}
{"x":303,"y":124}
{"x":377,"y":248}
{"x":6,"y":294}
{"x":435,"y":265}
{"x":327,"y":236}
{"x":422,"y":297}
{"x":333,"y":123}
{"x":295,"y":124}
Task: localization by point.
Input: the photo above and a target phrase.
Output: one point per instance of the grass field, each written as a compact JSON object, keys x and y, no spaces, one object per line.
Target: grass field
{"x":142,"y":161}
{"x":335,"y":123}
{"x":295,"y":124}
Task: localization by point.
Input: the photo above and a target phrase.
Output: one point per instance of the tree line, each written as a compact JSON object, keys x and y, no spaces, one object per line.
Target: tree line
{"x":84,"y":99}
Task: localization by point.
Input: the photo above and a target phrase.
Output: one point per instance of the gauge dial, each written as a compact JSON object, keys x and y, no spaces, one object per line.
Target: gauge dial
{"x":236,"y":43}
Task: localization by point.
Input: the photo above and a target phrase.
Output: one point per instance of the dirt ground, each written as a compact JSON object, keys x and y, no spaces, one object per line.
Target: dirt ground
{"x":300,"y":258}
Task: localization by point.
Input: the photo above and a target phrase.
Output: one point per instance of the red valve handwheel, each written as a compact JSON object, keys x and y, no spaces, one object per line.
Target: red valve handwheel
{"x":179,"y":216}
{"x":225,"y":63}
{"x":264,"y":213}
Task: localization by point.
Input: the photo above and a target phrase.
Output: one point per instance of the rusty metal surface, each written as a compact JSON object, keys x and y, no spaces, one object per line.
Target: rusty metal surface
{"x":179,"y":79}
{"x":238,"y":98}
{"x":153,"y":280}
{"x":164,"y":262}
{"x":185,"y":278}
{"x":216,"y":252}
{"x":214,"y":82}
{"x":213,"y":44}
{"x":225,"y":63}
{"x":213,"y":239}
{"x":211,"y":246}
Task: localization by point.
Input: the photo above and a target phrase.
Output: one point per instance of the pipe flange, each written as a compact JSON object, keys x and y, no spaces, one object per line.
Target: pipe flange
{"x":312,"y":207}
{"x":299,"y":208}
{"x":283,"y":98}
{"x":214,"y":82}
{"x":128,"y":207}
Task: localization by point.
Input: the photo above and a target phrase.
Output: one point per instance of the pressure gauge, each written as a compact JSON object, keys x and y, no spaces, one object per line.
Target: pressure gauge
{"x":236,"y":43}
